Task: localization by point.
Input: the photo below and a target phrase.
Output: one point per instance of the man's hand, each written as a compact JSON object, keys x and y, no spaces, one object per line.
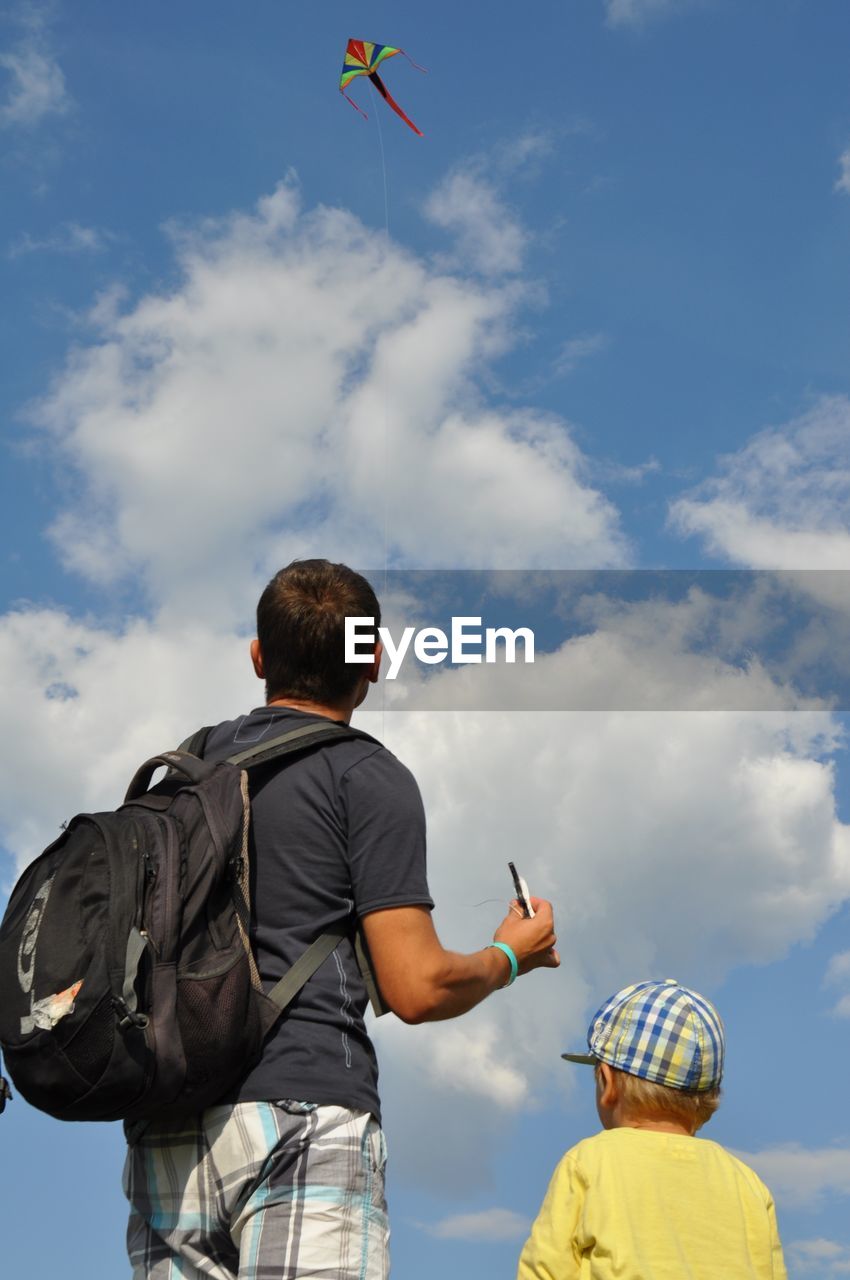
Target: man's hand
{"x":532,"y":939}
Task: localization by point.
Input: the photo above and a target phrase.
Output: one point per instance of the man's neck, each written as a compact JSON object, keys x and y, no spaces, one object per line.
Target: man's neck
{"x":343,"y":713}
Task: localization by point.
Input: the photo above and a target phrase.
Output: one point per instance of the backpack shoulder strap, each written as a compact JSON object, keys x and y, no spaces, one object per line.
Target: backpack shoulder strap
{"x":300,"y":739}
{"x":305,"y":736}
{"x":367,"y":973}
{"x":283,"y":992}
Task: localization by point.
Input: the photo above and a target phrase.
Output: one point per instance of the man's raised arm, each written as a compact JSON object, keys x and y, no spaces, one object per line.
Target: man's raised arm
{"x":423,"y":982}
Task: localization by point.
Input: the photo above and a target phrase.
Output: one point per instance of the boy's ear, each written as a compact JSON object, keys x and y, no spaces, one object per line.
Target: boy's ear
{"x":607,"y":1082}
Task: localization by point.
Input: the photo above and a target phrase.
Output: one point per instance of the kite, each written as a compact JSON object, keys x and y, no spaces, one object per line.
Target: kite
{"x":362,"y":58}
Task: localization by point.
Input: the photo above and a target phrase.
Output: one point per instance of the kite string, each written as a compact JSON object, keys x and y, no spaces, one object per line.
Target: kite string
{"x":384,"y":173}
{"x":386,"y":441}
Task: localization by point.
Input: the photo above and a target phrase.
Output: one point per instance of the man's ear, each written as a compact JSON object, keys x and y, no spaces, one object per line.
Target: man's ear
{"x":608,"y":1089}
{"x":375,"y":668}
{"x":257,"y":660}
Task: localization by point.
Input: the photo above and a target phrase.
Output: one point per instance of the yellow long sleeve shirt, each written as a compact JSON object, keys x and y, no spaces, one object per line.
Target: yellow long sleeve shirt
{"x":636,"y":1204}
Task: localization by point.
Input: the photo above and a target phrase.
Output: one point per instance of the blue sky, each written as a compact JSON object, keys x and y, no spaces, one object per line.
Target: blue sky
{"x":600,"y":322}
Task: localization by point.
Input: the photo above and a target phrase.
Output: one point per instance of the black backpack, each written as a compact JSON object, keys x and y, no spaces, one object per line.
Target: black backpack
{"x":128,"y":987}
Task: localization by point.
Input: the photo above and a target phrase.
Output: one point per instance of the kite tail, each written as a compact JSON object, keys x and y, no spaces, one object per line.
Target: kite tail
{"x":424,"y":70}
{"x":354,"y":105}
{"x":391,"y":102}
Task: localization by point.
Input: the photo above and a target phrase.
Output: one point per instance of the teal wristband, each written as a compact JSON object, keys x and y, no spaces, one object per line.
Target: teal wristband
{"x":503,"y":946}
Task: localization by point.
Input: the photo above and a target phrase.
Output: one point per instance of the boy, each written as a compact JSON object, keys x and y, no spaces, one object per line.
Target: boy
{"x":645,"y":1199}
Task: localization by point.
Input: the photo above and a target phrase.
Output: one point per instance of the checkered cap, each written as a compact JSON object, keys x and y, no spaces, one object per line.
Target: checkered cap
{"x":660,"y":1032}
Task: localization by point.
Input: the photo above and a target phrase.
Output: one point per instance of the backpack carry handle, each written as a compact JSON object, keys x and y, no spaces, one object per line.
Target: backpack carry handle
{"x":180,"y":761}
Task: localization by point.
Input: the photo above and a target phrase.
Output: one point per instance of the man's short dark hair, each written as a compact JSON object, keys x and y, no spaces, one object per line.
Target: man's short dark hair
{"x":301,"y":629}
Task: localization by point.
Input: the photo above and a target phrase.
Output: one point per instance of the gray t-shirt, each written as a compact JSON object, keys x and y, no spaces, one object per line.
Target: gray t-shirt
{"x":336,"y":833}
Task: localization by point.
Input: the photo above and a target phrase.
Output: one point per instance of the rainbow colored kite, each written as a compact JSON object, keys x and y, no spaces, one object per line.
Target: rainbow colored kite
{"x":362,"y":58}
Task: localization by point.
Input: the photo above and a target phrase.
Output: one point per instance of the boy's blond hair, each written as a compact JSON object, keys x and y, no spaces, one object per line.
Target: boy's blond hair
{"x":646,"y":1100}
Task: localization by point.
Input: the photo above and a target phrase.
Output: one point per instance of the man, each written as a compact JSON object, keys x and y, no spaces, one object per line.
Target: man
{"x":284,"y":1180}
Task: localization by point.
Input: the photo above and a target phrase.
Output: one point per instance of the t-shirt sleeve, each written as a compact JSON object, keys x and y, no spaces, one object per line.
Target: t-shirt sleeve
{"x":386,"y":834}
{"x":552,"y":1251}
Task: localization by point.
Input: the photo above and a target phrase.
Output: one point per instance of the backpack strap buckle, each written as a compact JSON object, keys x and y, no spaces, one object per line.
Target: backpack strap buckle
{"x":128,"y":1017}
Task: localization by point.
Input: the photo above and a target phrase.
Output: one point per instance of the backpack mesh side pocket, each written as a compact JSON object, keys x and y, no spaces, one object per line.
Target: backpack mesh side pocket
{"x":220,"y":1011}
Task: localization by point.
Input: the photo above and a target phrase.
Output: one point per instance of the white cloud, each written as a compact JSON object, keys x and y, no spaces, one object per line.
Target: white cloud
{"x":575,"y":350}
{"x":522,"y":153}
{"x":819,"y":1257}
{"x":70,"y":238}
{"x":783,"y":501}
{"x":842,"y":182}
{"x":838,"y":975}
{"x":839,"y":967}
{"x":33,"y":86}
{"x":773,"y":860}
{"x":634,"y":13}
{"x":799,"y":1177}
{"x":490,"y":239}
{"x":269,"y":405}
{"x":818,"y":1250}
{"x":467,"y":1059}
{"x":617,"y":473}
{"x":698,"y":653}
{"x":486,"y":1226}
{"x":90,"y":704}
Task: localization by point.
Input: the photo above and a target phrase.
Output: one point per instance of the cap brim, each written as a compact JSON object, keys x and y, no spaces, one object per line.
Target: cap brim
{"x":584,"y":1058}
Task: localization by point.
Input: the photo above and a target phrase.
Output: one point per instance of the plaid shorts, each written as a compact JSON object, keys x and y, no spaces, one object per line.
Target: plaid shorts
{"x":259,"y":1191}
